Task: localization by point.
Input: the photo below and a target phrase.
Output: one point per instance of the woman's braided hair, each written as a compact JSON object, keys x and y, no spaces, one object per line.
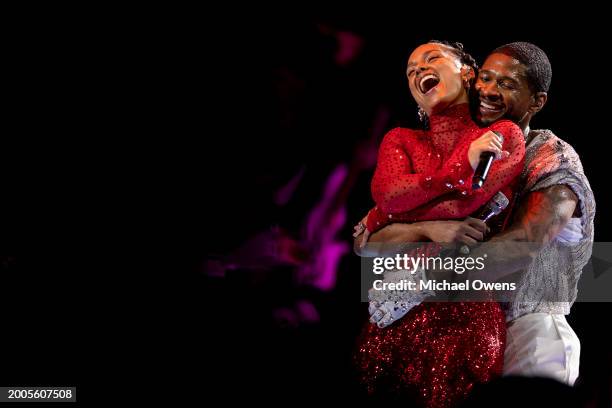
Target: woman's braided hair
{"x":463,"y":56}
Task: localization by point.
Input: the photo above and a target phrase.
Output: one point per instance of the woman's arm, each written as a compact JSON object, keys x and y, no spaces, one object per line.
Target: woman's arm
{"x":502,"y":175}
{"x":396,"y":188}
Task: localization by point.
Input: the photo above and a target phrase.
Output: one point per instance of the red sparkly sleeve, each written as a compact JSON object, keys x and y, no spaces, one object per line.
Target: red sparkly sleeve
{"x":396,"y":187}
{"x":502,"y":177}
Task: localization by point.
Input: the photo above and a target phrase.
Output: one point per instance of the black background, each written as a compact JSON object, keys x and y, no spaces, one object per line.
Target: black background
{"x":139,"y":142}
{"x":251,"y":149}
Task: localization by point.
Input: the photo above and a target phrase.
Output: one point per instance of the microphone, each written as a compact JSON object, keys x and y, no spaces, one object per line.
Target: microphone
{"x":482,"y":171}
{"x":496,"y":205}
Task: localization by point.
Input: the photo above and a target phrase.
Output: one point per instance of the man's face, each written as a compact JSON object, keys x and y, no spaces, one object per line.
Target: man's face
{"x":503,"y":90}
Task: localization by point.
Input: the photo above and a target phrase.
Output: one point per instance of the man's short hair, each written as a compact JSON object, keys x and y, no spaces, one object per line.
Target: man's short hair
{"x":539,"y":71}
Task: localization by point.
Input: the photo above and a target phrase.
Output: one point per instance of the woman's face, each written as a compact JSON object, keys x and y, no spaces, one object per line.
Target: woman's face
{"x":436,"y":77}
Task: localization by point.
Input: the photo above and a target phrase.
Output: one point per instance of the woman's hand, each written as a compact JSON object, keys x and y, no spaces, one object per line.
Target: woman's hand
{"x":361,"y":228}
{"x":488,"y":142}
{"x":468,"y":231}
{"x":385,"y":313}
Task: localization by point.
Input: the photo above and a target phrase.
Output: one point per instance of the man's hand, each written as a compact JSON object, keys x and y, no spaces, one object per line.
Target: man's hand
{"x":468,"y":231}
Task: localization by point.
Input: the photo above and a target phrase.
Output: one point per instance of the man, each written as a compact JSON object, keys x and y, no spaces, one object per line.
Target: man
{"x":555,"y":205}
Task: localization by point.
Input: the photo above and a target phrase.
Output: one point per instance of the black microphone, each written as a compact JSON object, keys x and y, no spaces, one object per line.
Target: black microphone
{"x":482,"y":171}
{"x":496,"y":205}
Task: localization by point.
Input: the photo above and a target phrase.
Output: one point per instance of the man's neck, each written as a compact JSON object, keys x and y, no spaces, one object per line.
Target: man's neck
{"x":529,"y":135}
{"x":524,"y":125}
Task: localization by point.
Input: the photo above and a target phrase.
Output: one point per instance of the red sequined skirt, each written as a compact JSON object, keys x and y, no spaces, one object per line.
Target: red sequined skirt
{"x":435,"y":354}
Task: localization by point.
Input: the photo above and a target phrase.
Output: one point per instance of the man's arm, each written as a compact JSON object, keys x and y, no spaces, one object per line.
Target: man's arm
{"x":385,"y":240}
{"x":541,"y":215}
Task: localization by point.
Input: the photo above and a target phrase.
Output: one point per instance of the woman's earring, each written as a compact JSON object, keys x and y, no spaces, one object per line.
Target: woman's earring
{"x":422,"y":114}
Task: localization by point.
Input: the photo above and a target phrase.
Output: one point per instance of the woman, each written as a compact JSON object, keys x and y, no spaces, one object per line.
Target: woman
{"x":438,"y":351}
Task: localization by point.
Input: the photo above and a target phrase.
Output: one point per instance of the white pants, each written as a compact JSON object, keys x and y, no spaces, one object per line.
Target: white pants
{"x":542,"y":345}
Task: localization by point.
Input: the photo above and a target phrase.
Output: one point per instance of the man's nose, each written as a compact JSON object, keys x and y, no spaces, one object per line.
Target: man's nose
{"x":489,"y":91}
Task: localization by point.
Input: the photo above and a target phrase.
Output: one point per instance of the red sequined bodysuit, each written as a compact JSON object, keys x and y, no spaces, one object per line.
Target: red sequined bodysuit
{"x":438,"y":351}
